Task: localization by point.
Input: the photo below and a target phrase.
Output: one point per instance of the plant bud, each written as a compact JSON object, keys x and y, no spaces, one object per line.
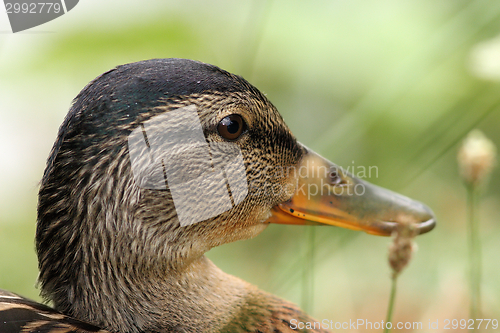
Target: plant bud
{"x":476,"y":158}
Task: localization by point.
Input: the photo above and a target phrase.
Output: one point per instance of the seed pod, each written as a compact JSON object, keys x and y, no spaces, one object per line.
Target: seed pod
{"x":402,"y":247}
{"x":476,"y":158}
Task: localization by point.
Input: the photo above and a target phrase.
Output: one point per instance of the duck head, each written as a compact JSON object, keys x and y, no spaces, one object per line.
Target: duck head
{"x":161,"y":160}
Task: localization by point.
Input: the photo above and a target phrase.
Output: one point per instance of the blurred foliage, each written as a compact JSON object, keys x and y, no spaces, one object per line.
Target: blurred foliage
{"x":388,"y":83}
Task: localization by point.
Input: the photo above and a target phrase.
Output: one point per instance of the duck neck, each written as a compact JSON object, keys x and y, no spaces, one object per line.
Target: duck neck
{"x":198,"y":298}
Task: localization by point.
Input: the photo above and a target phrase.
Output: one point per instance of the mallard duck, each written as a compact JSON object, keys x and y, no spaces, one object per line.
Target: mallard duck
{"x":156,"y":163}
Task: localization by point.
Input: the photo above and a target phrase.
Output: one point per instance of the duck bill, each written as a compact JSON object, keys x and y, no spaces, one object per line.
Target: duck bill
{"x":327,"y":195}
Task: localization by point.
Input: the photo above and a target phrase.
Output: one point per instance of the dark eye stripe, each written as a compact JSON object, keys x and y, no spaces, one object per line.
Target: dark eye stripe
{"x":231,"y":127}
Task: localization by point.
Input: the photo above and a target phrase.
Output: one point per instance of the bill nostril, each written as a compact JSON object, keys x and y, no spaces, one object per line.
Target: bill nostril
{"x":335,"y":179}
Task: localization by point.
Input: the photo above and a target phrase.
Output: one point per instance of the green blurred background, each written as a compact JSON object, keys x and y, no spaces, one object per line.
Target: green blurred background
{"x":388,"y":83}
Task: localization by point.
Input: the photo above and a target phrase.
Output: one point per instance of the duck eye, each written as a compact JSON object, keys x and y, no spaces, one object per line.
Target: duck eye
{"x":231,"y":127}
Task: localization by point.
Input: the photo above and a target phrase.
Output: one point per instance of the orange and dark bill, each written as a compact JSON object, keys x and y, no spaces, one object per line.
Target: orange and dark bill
{"x":327,"y":195}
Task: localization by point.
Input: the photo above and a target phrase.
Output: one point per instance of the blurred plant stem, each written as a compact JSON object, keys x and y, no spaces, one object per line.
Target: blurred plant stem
{"x":308,"y":271}
{"x":476,"y":159}
{"x":474,"y":251}
{"x":391,"y":302}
